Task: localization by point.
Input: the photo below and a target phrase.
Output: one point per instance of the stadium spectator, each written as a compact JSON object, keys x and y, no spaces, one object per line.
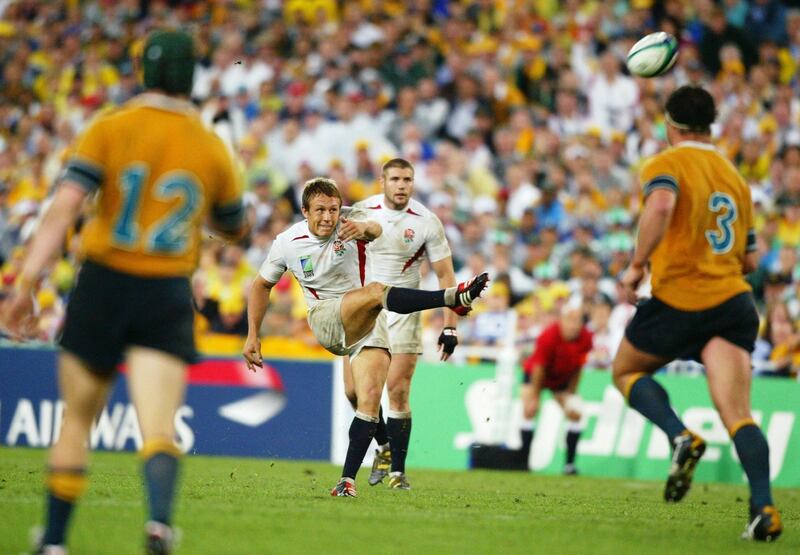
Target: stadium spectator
{"x":766,"y":21}
{"x":718,"y":33}
{"x":225,"y":314}
{"x":491,"y":325}
{"x":777,"y":351}
{"x":604,"y":342}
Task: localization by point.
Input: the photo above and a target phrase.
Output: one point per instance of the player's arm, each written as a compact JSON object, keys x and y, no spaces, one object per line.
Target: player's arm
{"x":18,"y":318}
{"x":448,"y":339}
{"x":228,"y":217}
{"x":258,"y":301}
{"x":657,"y":213}
{"x":355,"y":223}
{"x":257,"y":305}
{"x":750,"y":262}
{"x":49,"y":239}
{"x":367,"y":230}
{"x":83,"y":174}
{"x":228,"y":222}
{"x":653,"y":224}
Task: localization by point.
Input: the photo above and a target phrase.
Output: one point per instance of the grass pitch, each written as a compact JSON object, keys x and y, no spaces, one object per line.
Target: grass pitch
{"x":245,"y":506}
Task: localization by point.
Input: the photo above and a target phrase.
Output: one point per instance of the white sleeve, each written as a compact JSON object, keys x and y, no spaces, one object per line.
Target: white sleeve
{"x":436,"y":242}
{"x":275,"y":265}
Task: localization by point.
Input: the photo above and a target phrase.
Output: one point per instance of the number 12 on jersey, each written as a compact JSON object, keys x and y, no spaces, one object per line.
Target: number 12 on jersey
{"x":169,"y":234}
{"x":722,"y":239}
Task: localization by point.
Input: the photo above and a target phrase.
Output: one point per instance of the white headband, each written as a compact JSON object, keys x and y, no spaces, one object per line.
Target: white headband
{"x":675,"y":124}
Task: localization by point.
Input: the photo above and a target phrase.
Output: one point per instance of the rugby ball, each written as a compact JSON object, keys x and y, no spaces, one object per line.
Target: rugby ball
{"x":653,"y":55}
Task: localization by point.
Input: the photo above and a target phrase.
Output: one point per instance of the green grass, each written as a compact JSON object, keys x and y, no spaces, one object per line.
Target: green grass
{"x":244,"y":506}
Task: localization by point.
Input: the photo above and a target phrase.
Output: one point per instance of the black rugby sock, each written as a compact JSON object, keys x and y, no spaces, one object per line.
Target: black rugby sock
{"x":405,"y":301}
{"x":380,"y":432}
{"x":398,"y":426}
{"x":161,"y":476}
{"x":362,"y":430}
{"x":649,"y":398}
{"x":753,"y":451}
{"x":64,"y":487}
{"x":58,"y":515}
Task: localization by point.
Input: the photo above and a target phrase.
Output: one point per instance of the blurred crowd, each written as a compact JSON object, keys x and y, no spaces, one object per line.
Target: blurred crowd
{"x":525,"y":129}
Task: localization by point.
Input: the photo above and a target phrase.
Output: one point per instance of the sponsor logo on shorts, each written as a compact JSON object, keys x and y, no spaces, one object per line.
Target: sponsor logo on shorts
{"x":408,"y":235}
{"x":307,"y":266}
{"x":338,"y":248}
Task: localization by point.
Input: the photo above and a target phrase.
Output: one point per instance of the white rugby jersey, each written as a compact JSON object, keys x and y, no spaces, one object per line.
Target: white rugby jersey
{"x":408,"y":236}
{"x":325,"y":268}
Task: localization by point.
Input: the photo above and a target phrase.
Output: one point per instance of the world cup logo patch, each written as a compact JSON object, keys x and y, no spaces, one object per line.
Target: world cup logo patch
{"x":338,"y":248}
{"x":307,"y":266}
{"x":408,"y":235}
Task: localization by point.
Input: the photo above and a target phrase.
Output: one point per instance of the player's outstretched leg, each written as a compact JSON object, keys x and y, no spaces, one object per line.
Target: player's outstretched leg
{"x":361,"y":307}
{"x":459,"y":298}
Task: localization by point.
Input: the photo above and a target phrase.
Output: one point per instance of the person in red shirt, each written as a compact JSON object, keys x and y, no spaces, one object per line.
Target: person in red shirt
{"x":555,"y":364}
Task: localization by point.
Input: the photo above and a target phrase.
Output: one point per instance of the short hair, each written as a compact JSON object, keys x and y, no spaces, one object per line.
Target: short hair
{"x":320,"y":186}
{"x":691,"y":109}
{"x":401,"y":163}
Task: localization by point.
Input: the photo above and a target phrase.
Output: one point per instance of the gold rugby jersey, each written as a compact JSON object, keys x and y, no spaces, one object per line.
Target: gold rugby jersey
{"x":159,"y":173}
{"x":698,"y":263}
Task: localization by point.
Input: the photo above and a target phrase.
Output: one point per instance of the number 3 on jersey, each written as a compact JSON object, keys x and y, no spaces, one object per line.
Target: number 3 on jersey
{"x":169,"y":235}
{"x":722,"y":239}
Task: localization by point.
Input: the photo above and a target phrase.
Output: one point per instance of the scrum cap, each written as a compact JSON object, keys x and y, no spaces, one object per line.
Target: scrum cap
{"x":168,"y":62}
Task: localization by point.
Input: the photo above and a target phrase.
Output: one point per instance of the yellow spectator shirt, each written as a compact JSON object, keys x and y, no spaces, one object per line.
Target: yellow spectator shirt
{"x":159,"y":173}
{"x":698,"y":263}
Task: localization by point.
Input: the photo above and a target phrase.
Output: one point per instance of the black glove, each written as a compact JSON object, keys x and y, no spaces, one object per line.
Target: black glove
{"x":448,"y":341}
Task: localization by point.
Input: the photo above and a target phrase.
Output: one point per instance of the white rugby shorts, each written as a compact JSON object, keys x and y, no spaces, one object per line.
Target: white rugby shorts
{"x":325,"y":319}
{"x":405,"y":333}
